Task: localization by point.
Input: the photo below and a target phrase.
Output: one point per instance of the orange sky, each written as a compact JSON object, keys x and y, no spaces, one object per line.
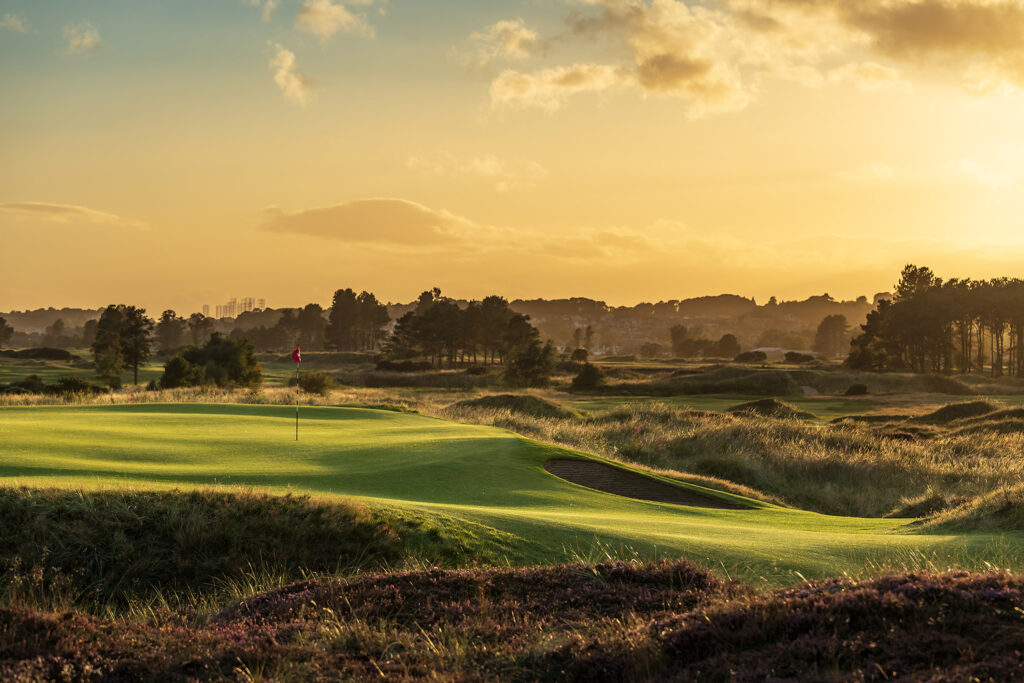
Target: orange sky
{"x":174,"y":154}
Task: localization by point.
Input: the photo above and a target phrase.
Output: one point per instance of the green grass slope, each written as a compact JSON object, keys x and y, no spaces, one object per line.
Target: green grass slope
{"x":489,"y":482}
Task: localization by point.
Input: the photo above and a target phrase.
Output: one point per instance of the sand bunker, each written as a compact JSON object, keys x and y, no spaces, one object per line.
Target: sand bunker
{"x":620,"y":482}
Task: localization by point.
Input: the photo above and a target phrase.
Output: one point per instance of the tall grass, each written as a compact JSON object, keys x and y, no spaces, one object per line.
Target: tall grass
{"x":844,"y":469}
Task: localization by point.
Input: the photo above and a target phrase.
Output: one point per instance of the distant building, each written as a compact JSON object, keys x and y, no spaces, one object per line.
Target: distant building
{"x":206,"y":310}
{"x":235,"y":307}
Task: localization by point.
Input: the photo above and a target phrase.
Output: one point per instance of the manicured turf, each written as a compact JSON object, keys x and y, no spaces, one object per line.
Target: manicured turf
{"x":486,"y":479}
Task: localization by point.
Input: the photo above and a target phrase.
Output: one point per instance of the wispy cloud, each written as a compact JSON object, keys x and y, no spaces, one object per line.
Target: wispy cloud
{"x":373,"y":221}
{"x":508,"y":39}
{"x":65,"y":213}
{"x":269,"y":7}
{"x":82,"y":39}
{"x":296,"y":86}
{"x":14,"y":22}
{"x":550,"y":88}
{"x":325,"y":18}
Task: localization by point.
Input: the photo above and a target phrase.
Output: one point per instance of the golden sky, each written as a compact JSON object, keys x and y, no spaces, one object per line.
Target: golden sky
{"x":175,"y":153}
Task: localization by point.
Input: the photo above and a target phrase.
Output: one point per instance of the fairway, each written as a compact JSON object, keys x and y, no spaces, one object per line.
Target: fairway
{"x":488,"y":482}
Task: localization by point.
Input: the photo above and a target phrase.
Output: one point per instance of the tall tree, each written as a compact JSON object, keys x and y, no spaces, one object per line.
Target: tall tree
{"x":311,"y":324}
{"x":341,"y":326}
{"x":170,"y":331}
{"x":200,"y":327}
{"x":136,"y":335}
{"x":108,"y":353}
{"x":831,"y":337}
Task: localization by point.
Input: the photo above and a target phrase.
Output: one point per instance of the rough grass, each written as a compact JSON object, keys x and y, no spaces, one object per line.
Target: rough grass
{"x":109,"y":547}
{"x":731,"y":379}
{"x":524,"y":404}
{"x":663,"y":621}
{"x":1000,"y":509}
{"x":861,"y":468}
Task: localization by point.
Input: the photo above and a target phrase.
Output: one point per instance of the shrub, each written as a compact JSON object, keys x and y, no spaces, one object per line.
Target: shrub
{"x":751,"y":357}
{"x":221,"y":361}
{"x":857,"y":390}
{"x":314,"y":382}
{"x":531,"y":366}
{"x":794,"y":357}
{"x":514,"y":403}
{"x":74,"y":385}
{"x":590,"y":376}
{"x":42,"y":353}
{"x":403,"y":366}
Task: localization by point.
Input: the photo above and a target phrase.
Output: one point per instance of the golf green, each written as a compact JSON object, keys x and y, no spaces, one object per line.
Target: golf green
{"x":490,"y":482}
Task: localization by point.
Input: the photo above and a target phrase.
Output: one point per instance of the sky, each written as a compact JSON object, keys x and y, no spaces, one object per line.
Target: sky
{"x":177,"y":153}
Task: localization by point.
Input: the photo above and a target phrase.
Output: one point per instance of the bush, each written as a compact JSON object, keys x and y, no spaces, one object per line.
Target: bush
{"x":223,"y":362}
{"x":590,"y":376}
{"x":43,"y":353}
{"x":857,"y":390}
{"x":794,"y":357}
{"x":531,"y":366}
{"x":74,"y":385}
{"x":32,"y":384}
{"x":477,"y":370}
{"x":403,"y":366}
{"x":314,"y":382}
{"x":751,"y":357}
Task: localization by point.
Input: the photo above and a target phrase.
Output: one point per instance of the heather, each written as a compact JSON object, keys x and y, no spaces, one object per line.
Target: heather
{"x":614,"y":621}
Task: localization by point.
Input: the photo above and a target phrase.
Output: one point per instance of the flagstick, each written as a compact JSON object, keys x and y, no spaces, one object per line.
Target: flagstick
{"x":296,"y":401}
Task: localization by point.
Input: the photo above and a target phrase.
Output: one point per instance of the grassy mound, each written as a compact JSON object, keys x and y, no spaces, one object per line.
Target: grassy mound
{"x":516,"y":403}
{"x":770,"y":407}
{"x":106,"y":546}
{"x":1002,"y":510}
{"x":957,"y":411}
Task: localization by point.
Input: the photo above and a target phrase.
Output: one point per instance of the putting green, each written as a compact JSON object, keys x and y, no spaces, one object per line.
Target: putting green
{"x":490,"y":482}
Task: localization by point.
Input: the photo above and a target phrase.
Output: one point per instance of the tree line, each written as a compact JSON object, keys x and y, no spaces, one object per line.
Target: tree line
{"x":487,"y":331}
{"x":438,"y":329}
{"x":957,"y":325}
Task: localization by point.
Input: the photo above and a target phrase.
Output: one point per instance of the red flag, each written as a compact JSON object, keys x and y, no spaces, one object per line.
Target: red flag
{"x":296,"y":355}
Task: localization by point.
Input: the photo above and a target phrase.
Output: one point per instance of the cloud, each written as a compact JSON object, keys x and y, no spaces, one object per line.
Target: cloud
{"x":82,"y":39}
{"x":14,"y":22}
{"x":505,"y":175}
{"x":675,"y":50}
{"x":716,"y":56}
{"x":324,"y":18}
{"x":509,"y":39}
{"x":977,"y":40}
{"x":374,"y":221}
{"x":65,"y":213}
{"x":550,"y":88}
{"x":296,"y":86}
{"x":868,"y":76}
{"x":269,"y":7}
